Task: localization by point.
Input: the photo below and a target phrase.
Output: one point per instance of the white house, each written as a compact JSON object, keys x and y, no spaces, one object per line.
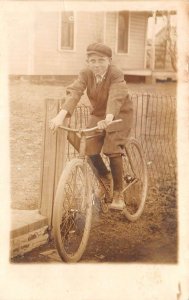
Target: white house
{"x":54,"y":43}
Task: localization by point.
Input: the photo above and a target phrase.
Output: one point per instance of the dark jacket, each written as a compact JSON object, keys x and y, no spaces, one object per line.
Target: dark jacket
{"x":108,"y":97}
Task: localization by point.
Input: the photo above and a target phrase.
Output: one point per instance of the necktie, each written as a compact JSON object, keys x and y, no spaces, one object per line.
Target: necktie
{"x":98,"y":79}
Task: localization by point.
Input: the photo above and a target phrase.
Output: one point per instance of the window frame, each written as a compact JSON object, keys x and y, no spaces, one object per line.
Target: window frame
{"x":117,"y":26}
{"x":60,"y":32}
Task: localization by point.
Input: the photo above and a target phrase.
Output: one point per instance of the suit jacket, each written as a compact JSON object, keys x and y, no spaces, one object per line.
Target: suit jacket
{"x":108,"y":97}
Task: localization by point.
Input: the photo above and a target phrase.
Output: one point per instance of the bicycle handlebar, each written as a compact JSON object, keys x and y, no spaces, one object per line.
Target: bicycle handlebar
{"x":86,"y":129}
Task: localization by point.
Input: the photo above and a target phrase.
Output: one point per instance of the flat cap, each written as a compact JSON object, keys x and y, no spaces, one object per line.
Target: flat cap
{"x":99,"y":49}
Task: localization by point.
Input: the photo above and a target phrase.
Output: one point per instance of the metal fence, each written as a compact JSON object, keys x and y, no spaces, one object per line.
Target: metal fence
{"x":154,"y":127}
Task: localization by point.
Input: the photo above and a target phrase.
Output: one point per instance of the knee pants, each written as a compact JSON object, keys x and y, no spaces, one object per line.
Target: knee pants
{"x":112,"y":141}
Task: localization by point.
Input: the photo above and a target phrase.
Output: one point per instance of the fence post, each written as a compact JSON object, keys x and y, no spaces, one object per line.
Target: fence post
{"x":53,"y":160}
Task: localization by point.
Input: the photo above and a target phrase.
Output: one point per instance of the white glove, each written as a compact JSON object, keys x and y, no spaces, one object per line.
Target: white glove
{"x":103,"y":124}
{"x":58,"y":120}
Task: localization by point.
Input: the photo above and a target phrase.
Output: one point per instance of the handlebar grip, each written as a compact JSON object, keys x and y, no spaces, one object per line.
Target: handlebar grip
{"x":87,"y":129}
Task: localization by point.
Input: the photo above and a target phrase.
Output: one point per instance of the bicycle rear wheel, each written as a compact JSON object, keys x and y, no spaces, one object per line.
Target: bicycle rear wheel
{"x":135,"y":180}
{"x":72,"y":211}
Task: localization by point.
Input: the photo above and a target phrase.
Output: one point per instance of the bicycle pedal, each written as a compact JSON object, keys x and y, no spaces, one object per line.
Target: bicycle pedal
{"x":129,"y":178}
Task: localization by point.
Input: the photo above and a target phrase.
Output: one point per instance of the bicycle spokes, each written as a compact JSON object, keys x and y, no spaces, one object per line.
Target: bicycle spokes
{"x":74,"y":211}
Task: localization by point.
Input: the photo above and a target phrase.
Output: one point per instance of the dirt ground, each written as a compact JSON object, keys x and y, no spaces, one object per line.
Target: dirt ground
{"x":152,"y":239}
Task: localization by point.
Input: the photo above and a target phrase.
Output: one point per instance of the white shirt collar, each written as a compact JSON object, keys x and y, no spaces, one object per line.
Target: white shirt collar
{"x":100,"y":76}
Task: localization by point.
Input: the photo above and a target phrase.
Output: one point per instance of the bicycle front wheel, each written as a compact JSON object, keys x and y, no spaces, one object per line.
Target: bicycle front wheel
{"x":72,"y":211}
{"x":135,"y":180}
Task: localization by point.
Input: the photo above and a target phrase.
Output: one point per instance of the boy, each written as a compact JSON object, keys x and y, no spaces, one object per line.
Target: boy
{"x":107,"y":92}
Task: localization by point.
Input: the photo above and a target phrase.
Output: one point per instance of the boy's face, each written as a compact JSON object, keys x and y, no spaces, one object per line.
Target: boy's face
{"x":98,"y":64}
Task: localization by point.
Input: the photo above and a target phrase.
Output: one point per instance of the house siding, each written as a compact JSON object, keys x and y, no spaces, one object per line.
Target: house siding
{"x":134,"y":59}
{"x":50,"y":59}
{"x":19,"y":43}
{"x":46,"y":57}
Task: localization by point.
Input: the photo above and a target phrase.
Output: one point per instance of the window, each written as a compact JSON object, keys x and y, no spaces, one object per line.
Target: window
{"x":67,"y":30}
{"x":123,"y":32}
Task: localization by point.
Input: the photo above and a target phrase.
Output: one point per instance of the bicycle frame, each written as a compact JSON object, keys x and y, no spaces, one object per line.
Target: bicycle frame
{"x":75,"y":194}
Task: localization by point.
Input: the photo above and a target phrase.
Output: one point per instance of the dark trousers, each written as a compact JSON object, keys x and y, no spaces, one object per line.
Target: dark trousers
{"x":116,"y":166}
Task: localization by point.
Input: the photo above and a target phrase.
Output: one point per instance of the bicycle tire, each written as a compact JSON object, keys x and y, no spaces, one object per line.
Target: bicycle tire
{"x":135,"y":180}
{"x":72,"y":211}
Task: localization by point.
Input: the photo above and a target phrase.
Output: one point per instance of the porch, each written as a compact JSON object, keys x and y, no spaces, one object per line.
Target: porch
{"x":148,"y":76}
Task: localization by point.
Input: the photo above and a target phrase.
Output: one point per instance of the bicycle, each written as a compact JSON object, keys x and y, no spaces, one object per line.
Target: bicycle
{"x":75,"y":195}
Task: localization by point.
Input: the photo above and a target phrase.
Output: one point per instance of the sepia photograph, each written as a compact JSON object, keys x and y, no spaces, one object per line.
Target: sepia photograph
{"x":134,"y":55}
{"x":94,"y":95}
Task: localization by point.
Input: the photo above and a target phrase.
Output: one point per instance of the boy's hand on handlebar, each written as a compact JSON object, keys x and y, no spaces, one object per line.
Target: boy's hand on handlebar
{"x":103,"y":124}
{"x":57,"y":121}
